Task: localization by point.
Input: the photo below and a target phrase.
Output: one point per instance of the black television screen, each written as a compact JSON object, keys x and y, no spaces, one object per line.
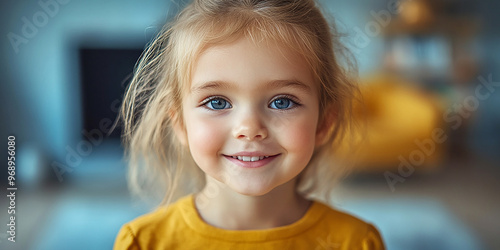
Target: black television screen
{"x":104,"y":74}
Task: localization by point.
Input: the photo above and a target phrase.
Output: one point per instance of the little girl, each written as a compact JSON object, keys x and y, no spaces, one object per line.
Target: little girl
{"x":239,"y":102}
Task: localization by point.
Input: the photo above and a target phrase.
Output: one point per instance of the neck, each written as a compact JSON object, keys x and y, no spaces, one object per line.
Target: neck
{"x":230,"y":210}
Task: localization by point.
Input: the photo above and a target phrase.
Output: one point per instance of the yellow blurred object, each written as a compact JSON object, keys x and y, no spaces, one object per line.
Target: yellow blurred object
{"x":416,"y":12}
{"x":393,"y":116}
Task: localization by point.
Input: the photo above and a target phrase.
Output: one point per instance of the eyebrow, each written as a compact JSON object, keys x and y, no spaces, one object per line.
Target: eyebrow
{"x":276,"y":84}
{"x":210,"y":85}
{"x":290,"y":83}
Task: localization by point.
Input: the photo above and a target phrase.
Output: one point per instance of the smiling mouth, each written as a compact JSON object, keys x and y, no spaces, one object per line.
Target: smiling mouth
{"x":249,"y":158}
{"x":251,"y":161}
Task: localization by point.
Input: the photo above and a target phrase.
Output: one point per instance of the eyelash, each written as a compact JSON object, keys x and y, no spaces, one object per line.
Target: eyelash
{"x":207,"y":100}
{"x":293,"y":99}
{"x":295,"y":102}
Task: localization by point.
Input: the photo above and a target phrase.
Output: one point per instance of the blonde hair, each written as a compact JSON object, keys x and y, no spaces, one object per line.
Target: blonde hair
{"x":152,"y":104}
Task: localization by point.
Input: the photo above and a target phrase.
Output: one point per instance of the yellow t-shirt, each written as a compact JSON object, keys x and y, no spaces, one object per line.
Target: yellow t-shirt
{"x":179,"y":226}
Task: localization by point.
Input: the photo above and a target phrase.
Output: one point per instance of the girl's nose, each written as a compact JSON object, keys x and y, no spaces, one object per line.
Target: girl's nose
{"x":250,"y":127}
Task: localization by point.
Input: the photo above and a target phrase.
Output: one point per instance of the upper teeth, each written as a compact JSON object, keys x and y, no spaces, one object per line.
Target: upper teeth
{"x":249,"y":158}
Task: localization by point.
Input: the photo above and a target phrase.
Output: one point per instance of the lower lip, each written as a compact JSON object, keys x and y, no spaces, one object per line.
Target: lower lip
{"x":252,"y":164}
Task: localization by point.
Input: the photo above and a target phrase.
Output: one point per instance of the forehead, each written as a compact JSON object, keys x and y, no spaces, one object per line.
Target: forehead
{"x":248,"y":62}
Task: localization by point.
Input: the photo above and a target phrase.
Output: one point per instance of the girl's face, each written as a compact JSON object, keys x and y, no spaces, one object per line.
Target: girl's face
{"x":251,"y":115}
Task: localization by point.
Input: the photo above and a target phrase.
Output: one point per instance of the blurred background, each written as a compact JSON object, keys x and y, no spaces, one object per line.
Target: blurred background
{"x":425,"y":168}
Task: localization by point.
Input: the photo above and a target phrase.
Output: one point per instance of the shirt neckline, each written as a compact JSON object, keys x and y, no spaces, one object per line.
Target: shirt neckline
{"x":196,"y":223}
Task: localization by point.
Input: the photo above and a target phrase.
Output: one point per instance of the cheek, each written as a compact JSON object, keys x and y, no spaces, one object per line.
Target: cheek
{"x":299,"y":136}
{"x":205,"y":137}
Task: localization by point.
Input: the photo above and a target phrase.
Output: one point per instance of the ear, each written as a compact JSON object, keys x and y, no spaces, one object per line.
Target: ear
{"x":179,"y":129}
{"x":323,"y":129}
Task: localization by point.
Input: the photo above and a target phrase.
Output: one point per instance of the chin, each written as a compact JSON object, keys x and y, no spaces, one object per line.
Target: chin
{"x":252,"y":190}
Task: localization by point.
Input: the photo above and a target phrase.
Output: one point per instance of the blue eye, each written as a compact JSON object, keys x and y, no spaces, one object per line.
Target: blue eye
{"x":218,"y":104}
{"x":282,"y":103}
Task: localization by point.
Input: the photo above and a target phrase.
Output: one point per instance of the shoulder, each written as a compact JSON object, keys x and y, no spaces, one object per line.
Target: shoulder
{"x":343,"y":228}
{"x":143,"y":231}
{"x":160,"y":219}
{"x":342,"y":219}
